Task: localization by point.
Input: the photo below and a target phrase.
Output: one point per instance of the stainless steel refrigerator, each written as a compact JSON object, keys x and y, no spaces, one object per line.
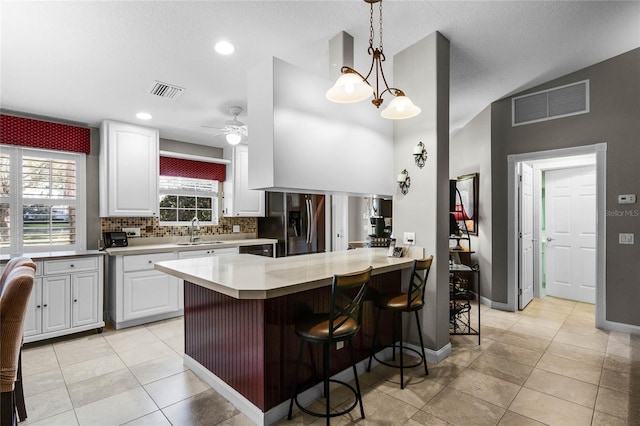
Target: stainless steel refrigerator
{"x":297,"y":221}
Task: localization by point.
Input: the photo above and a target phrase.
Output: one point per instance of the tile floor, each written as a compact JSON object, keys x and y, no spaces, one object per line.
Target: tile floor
{"x":544,"y":365}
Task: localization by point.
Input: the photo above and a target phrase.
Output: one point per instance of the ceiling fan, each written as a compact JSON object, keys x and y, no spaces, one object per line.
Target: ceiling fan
{"x":234,"y":130}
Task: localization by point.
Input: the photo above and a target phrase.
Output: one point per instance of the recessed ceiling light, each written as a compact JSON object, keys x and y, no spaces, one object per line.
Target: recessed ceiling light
{"x":224,"y":48}
{"x":144,"y":116}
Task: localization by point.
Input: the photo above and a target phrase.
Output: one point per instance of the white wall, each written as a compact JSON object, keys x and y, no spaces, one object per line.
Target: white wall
{"x":300,"y":141}
{"x":470,"y":152}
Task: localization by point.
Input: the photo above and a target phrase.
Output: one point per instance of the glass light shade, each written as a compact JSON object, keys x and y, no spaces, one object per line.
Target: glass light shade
{"x":400,"y":108}
{"x":233,"y":138}
{"x":349,"y":88}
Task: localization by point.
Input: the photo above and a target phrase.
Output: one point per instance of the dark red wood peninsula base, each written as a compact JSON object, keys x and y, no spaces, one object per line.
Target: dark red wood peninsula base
{"x":250,"y":344}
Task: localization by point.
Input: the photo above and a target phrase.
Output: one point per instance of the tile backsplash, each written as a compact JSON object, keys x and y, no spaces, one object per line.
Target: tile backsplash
{"x":150,"y":227}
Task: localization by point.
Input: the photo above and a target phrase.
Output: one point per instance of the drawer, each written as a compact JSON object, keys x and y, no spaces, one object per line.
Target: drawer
{"x":190,"y":254}
{"x":141,"y":262}
{"x":70,"y":265}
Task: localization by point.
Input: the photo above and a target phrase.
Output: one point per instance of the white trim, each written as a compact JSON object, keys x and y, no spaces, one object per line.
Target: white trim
{"x":600,"y":150}
{"x":433,"y":357}
{"x":194,"y":157}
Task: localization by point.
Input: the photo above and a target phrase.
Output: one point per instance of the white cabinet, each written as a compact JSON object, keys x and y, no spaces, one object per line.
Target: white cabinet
{"x":66,"y":298}
{"x":191,"y":254}
{"x":239,"y":200}
{"x":139,"y":294}
{"x":129,"y":169}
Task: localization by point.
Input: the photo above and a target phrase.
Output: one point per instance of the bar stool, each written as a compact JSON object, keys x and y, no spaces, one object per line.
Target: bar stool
{"x":13,"y":303}
{"x":340,"y":324}
{"x":397,"y":303}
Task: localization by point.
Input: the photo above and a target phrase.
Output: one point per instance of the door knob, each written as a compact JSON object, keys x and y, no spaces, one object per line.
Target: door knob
{"x":549,"y":239}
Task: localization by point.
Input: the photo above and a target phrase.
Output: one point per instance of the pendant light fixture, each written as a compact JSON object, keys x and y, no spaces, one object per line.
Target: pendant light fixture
{"x":352,"y":86}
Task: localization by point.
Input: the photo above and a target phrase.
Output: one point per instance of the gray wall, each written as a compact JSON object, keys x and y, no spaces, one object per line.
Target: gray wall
{"x":470,"y":152}
{"x":614,"y":119}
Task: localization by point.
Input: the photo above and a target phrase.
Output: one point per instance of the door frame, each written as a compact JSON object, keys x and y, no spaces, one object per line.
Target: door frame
{"x":600,"y":151}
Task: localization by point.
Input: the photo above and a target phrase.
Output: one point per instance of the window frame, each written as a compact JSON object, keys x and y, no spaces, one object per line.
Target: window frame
{"x":215,"y":200}
{"x":17,"y":200}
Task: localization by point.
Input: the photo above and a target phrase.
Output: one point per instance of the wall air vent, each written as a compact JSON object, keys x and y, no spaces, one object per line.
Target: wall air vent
{"x":550,"y":104}
{"x":164,"y":90}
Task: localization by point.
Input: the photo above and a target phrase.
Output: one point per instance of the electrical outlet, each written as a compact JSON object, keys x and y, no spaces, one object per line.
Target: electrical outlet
{"x":409,"y":238}
{"x":131,"y":232}
{"x":236,"y":228}
{"x":625,"y":238}
{"x":339,"y":345}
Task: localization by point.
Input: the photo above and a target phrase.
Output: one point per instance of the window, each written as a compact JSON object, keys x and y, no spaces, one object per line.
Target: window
{"x":46,"y":190}
{"x":182,"y":199}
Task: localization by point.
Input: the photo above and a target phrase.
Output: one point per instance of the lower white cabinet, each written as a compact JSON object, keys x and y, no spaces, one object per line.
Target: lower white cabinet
{"x":66,"y":298}
{"x":139,"y":294}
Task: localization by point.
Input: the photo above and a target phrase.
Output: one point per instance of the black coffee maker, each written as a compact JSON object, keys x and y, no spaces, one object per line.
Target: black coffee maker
{"x":377,"y":227}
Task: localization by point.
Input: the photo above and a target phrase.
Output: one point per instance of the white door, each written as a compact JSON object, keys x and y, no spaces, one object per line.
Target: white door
{"x":33,"y":317}
{"x":570,"y":210}
{"x":339,"y":222}
{"x":525,"y":255}
{"x":56,"y":303}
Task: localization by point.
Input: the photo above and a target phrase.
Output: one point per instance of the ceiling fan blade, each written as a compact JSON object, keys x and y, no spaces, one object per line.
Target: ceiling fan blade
{"x":214,"y":127}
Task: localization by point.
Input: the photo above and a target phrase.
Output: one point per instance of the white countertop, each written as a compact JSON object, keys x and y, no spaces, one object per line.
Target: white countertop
{"x":167,"y":247}
{"x":245,"y":276}
{"x":52,"y":254}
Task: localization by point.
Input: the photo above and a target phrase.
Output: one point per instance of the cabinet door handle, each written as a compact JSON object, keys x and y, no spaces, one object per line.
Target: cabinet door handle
{"x":38,"y":306}
{"x":151,"y":261}
{"x":72,"y":265}
{"x":45,"y":305}
{"x":75,"y":300}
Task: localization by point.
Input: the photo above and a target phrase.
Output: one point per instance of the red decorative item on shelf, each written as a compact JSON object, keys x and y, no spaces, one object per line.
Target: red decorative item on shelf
{"x":459,"y":213}
{"x":44,"y":134}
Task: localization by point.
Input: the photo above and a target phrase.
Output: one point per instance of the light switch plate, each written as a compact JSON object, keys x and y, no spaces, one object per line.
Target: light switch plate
{"x":409,"y":238}
{"x":625,"y":238}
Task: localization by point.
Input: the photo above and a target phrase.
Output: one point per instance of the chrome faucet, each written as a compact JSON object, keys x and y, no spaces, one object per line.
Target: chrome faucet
{"x":195,"y":229}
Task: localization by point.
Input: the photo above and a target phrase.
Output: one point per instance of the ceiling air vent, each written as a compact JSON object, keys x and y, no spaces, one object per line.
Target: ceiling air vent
{"x":165,"y":90}
{"x":550,"y":104}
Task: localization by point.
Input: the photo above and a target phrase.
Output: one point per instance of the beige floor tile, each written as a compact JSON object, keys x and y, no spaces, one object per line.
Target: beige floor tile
{"x":418,"y":389}
{"x":576,"y":353}
{"x":84,"y":349}
{"x":602,"y":419}
{"x":497,"y":320}
{"x":586,"y":308}
{"x":514,"y":419}
{"x":116,"y":409}
{"x":156,"y":418}
{"x":533,"y":343}
{"x":46,"y":404}
{"x":549,"y":409}
{"x":617,"y":404}
{"x":101,"y":387}
{"x":84,"y":370}
{"x":622,"y":380}
{"x":563,"y":387}
{"x":204,"y":409}
{"x":176,"y":343}
{"x":594,"y":342}
{"x":132,"y":338}
{"x":487,"y":388}
{"x":539,"y":322}
{"x":445,"y":372}
{"x":545,"y":314}
{"x":146,"y":353}
{"x":533,"y":330}
{"x":38,"y":359}
{"x":157,"y":369}
{"x":465,"y":355}
{"x":492,"y":332}
{"x":615,"y":362}
{"x":461,"y":409}
{"x":622,"y":350}
{"x":379,"y":408}
{"x":43,"y":382}
{"x":237,"y":420}
{"x":570,"y":368}
{"x":68,"y":418}
{"x":514,"y":353}
{"x":167,"y":329}
{"x":175,"y":388}
{"x":554,"y":304}
{"x":501,"y":368}
{"x":422,"y":418}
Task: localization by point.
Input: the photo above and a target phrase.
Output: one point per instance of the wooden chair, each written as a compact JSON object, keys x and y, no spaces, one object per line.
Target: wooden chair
{"x":340,"y":324}
{"x":16,"y":290}
{"x":411,"y":301}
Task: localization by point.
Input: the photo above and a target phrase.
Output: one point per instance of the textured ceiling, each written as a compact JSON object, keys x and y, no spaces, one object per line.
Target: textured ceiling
{"x":88,"y":61}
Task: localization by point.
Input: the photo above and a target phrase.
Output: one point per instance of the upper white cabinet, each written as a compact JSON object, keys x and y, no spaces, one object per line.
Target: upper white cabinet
{"x":129,"y":168}
{"x":239,"y":200}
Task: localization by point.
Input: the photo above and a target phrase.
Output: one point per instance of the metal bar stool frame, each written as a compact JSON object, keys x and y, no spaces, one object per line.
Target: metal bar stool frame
{"x":340,"y":324}
{"x":397,"y":303}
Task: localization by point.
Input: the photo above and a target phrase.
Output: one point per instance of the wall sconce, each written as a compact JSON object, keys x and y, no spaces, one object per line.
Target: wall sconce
{"x":404,"y":181}
{"x":420,"y":154}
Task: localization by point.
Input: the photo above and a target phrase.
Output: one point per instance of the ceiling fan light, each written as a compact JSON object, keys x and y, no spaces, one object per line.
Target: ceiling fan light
{"x":400,"y":108}
{"x":349,"y":88}
{"x":233,"y":138}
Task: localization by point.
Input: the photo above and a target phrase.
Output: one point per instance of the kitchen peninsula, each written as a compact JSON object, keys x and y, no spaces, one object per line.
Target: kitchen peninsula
{"x":240,"y":311}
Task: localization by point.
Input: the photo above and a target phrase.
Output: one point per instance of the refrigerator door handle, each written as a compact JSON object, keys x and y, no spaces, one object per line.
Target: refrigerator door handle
{"x":308,"y":220}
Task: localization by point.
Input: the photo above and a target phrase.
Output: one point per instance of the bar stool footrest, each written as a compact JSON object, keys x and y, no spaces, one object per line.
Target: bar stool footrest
{"x":341,"y":413}
{"x":417,"y":364}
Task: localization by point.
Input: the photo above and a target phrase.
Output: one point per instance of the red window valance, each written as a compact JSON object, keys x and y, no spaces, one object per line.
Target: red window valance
{"x":192,"y":169}
{"x":44,"y":134}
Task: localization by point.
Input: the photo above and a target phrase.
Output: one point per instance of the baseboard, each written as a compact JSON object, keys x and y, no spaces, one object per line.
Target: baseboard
{"x":619,"y":327}
{"x":501,"y":306}
{"x":433,"y":357}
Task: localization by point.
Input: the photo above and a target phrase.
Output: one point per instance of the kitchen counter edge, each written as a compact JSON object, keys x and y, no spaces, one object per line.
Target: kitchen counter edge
{"x":168,"y":247}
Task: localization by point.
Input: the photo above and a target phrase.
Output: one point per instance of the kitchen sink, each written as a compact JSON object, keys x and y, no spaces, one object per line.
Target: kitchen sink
{"x":200,"y":243}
